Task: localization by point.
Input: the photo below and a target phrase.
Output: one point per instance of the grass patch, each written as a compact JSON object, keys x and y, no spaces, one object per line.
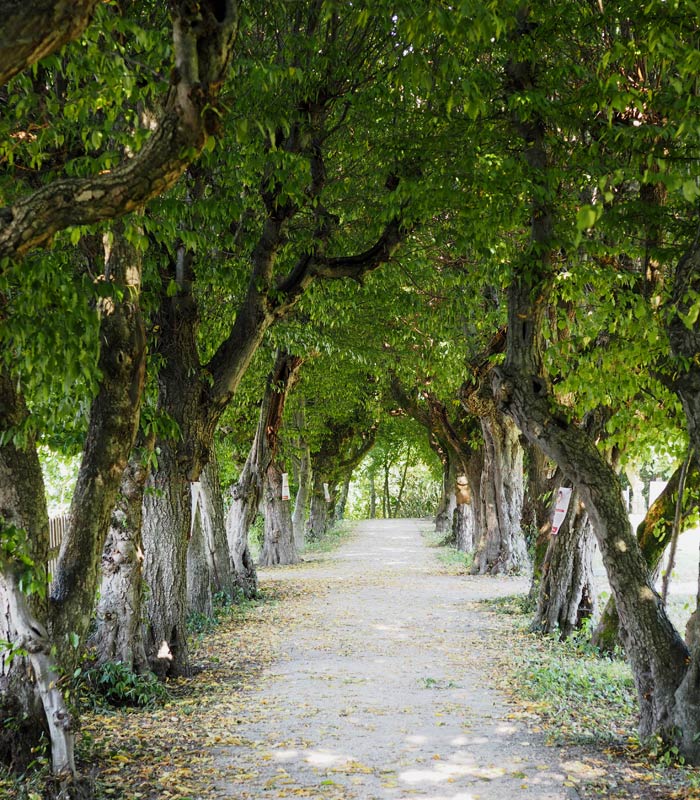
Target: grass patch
{"x":332,"y":539}
{"x":580,"y":696}
{"x":455,"y":561}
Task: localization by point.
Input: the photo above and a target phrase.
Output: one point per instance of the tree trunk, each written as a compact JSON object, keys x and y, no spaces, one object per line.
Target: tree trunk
{"x":22,"y":505}
{"x":501,"y":547}
{"x":167,"y":513}
{"x":303,"y":491}
{"x":372,"y":497}
{"x":341,"y":501}
{"x":567,"y":595}
{"x":463,"y":527}
{"x":278,"y":545}
{"x":247,"y":494}
{"x":653,"y":535}
{"x":386,"y":497}
{"x":447,"y":504}
{"x":33,"y":637}
{"x":119,"y":634}
{"x":541,"y":485}
{"x":317,"y":524}
{"x":213,"y":519}
{"x":114,"y":419}
{"x":199,"y":577}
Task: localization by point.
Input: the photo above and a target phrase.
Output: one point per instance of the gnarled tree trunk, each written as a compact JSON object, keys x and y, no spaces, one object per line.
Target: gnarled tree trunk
{"x":501,"y":547}
{"x":567,"y":594}
{"x":278,"y":543}
{"x":118,"y":633}
{"x":199,"y":577}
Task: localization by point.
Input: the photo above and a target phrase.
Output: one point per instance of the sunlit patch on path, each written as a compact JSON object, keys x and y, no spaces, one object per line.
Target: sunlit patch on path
{"x":382,"y":688}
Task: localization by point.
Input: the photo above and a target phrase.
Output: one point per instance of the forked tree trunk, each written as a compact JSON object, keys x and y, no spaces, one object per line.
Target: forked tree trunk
{"x":278,"y":543}
{"x":114,"y":416}
{"x":501,"y":547}
{"x":114,"y":420}
{"x":657,"y":654}
{"x":118,"y":625}
{"x":567,"y":594}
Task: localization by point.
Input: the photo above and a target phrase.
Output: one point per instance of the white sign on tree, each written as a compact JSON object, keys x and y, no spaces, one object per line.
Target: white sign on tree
{"x":560,"y":508}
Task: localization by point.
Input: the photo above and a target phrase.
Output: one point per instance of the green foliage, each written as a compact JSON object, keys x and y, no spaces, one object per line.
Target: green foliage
{"x":117,"y":685}
{"x":15,"y":557}
{"x":583,"y":697}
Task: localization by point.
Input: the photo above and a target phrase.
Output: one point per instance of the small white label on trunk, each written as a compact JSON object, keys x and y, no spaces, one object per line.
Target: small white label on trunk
{"x":285,"y":486}
{"x":560,"y":509}
{"x":326,"y":493}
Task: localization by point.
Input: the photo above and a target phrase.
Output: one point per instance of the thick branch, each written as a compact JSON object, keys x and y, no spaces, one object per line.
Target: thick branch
{"x":31,"y":31}
{"x":203,"y":43}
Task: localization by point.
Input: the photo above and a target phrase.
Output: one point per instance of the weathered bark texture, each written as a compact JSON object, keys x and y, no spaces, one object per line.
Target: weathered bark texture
{"x":542,"y":483}
{"x":501,"y":547}
{"x":199,"y":578}
{"x":278,"y":542}
{"x":318,"y":522}
{"x":203,"y":38}
{"x":34,"y":30}
{"x":653,"y":535}
{"x":301,"y":502}
{"x":567,"y":594}
{"x":342,"y":499}
{"x":167,"y":516}
{"x":463,"y":528}
{"x":22,"y":505}
{"x":213,"y":518}
{"x":448,"y":503}
{"x":34,"y":638}
{"x":114,"y":419}
{"x":118,"y":633}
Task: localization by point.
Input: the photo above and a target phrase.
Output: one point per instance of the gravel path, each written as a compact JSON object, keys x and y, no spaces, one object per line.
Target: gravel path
{"x":381,"y":689}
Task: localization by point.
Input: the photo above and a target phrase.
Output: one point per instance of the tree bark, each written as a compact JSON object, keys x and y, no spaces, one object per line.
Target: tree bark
{"x":167,"y":516}
{"x":301,"y":502}
{"x":318,"y":523}
{"x":114,"y":419}
{"x":22,"y":505}
{"x":203,"y":38}
{"x":32,"y":31}
{"x":448,"y":503}
{"x":463,"y":528}
{"x":567,"y":595}
{"x":199,"y":576}
{"x":119,"y":635}
{"x":657,"y":655}
{"x":278,"y":545}
{"x":248,"y":492}
{"x":341,"y":500}
{"x":211,"y":507}
{"x":501,"y":547}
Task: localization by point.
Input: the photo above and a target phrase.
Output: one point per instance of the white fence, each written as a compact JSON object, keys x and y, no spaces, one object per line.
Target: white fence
{"x":57,"y":527}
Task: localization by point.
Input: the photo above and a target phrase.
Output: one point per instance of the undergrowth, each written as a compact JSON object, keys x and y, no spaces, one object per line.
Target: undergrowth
{"x":333,"y":538}
{"x":580,"y":697}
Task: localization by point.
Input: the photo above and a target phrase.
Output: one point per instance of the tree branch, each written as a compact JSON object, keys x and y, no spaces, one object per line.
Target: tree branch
{"x":203,"y":41}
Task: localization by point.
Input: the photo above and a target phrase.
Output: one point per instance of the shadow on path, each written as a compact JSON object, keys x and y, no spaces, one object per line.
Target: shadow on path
{"x":382,"y":688}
